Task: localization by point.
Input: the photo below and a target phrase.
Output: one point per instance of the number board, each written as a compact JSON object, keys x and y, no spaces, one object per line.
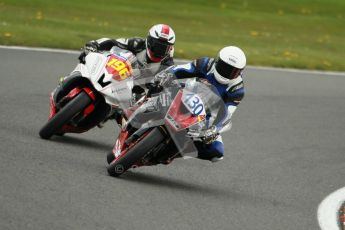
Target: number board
{"x":119,"y":67}
{"x":193,"y":103}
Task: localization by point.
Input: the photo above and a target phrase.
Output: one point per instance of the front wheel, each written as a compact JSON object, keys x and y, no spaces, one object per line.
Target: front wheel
{"x":138,"y":151}
{"x":71,"y":109}
{"x":110,"y":157}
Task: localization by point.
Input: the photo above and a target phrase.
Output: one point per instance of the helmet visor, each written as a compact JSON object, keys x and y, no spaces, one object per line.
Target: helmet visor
{"x":226,"y":70}
{"x":159,"y":48}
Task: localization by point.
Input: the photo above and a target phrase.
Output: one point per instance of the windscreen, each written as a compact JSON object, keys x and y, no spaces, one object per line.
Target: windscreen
{"x":128,"y":73}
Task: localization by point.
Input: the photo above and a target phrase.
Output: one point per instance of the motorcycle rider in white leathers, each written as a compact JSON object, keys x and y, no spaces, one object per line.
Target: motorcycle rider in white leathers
{"x":225,"y":73}
{"x":158,"y":47}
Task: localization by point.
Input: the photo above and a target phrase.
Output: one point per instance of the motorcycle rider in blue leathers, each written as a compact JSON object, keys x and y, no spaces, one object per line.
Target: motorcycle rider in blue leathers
{"x":225,"y":73}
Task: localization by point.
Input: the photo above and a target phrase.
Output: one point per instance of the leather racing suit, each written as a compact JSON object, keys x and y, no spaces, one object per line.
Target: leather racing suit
{"x":231,"y":94}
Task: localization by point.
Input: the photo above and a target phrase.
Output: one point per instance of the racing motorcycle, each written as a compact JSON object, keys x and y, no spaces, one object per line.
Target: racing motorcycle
{"x":159,"y":127}
{"x":94,"y":91}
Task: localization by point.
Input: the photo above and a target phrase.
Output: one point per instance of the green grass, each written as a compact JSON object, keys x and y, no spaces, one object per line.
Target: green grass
{"x":307,"y":34}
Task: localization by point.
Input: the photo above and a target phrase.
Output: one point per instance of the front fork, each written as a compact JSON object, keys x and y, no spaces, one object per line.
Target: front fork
{"x":54,"y":106}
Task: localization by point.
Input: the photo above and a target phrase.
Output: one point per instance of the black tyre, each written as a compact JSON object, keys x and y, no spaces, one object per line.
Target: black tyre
{"x":138,"y":151}
{"x":72,"y":108}
{"x":110,"y":157}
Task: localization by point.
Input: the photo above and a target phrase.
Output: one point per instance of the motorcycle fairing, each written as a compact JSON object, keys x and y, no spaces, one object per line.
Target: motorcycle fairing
{"x":177,"y":117}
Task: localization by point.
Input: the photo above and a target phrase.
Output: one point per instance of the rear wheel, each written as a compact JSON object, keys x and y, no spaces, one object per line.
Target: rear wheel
{"x":138,"y":151}
{"x":72,"y":108}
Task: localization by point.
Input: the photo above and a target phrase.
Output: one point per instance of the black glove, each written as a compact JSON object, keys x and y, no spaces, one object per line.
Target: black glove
{"x":92,"y":46}
{"x":154,"y":88}
{"x":164,"y":78}
{"x":210,"y":135}
{"x":137,"y":93}
{"x":206,"y":136}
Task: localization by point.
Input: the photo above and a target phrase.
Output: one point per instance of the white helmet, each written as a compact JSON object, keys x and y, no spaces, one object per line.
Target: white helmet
{"x":229,"y":64}
{"x":160,"y":42}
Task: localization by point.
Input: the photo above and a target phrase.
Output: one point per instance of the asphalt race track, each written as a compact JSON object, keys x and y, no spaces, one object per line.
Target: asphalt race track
{"x":285,"y":153}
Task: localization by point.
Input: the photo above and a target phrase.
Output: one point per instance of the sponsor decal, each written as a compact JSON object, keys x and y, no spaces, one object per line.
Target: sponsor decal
{"x":209,"y":64}
{"x":201,"y":118}
{"x":172,"y":122}
{"x":95,"y":66}
{"x":232,"y":60}
{"x":118,"y":90}
{"x":236,"y":87}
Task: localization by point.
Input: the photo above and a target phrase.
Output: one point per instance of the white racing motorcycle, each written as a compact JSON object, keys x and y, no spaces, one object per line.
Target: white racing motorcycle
{"x":92,"y":93}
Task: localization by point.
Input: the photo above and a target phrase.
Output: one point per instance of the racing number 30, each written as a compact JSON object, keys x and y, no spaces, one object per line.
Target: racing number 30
{"x":118,"y":68}
{"x":194,"y":103}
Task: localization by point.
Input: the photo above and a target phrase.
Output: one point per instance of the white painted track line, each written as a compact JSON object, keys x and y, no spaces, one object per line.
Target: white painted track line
{"x":40,"y":49}
{"x":180,"y":61}
{"x":327,"y":213}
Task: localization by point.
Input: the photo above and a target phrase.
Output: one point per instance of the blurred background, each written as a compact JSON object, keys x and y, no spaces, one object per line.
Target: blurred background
{"x":306,"y":34}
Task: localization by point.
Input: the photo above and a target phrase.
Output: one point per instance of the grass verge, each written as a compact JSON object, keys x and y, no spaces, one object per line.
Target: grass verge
{"x":306,"y":34}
